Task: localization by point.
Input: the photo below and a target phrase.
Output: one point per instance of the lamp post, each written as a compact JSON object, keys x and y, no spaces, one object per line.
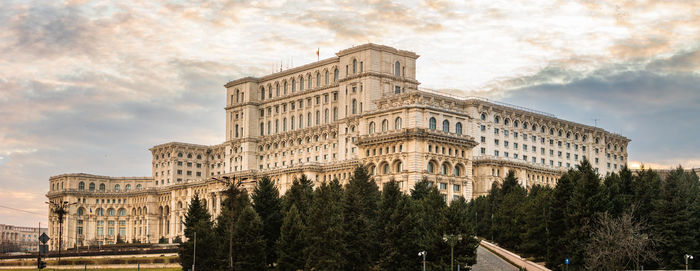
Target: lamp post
{"x":60,"y":209}
{"x":194,"y":253}
{"x":452,"y":240}
{"x":686,"y":260}
{"x":423,"y":253}
{"x":232,"y":192}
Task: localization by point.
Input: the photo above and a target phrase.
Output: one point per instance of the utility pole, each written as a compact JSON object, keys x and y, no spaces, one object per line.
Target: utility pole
{"x":60,"y":209}
{"x":233,"y":192}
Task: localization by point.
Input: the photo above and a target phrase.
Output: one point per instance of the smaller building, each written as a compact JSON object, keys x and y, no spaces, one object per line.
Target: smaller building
{"x":19,"y":239}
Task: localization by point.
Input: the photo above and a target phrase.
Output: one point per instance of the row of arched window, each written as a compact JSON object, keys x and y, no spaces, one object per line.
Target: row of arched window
{"x":446,"y":168}
{"x":542,"y":129}
{"x":385,"y":125}
{"x":397,"y":167}
{"x":432,"y":125}
{"x":291,"y":84}
{"x":298,"y":123}
{"x":179,"y":154}
{"x":117,"y":187}
{"x":290,"y":143}
{"x":385,"y":168}
{"x":101,"y":212}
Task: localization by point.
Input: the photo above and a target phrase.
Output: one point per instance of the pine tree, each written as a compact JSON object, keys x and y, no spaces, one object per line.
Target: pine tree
{"x":558,"y":212}
{"x":617,"y":192}
{"x":249,"y":242}
{"x":587,"y":200}
{"x":223,"y":228}
{"x":673,"y":218}
{"x":420,"y":189}
{"x":292,"y":242}
{"x":197,"y":220}
{"x":390,"y":199}
{"x":325,"y":240}
{"x":536,"y":222}
{"x":694,"y":180}
{"x":480,"y":216}
{"x":432,"y":216}
{"x":301,"y":195}
{"x":645,"y":191}
{"x":457,"y":223}
{"x":268,"y":206}
{"x":507,"y":224}
{"x":403,"y":235}
{"x":359,"y":214}
{"x":388,"y":223}
{"x":195,"y":212}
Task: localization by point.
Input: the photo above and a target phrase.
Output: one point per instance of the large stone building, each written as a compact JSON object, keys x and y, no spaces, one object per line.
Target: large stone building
{"x":361,"y":107}
{"x":19,"y":239}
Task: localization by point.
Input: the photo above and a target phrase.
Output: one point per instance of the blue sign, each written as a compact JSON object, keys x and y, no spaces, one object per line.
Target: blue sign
{"x":566,"y":261}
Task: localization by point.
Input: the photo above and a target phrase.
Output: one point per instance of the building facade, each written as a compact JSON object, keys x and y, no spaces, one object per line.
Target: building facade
{"x":19,"y":239}
{"x":361,"y":107}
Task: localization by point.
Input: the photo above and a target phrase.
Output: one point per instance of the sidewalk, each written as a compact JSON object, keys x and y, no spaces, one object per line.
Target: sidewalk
{"x":513,"y":258}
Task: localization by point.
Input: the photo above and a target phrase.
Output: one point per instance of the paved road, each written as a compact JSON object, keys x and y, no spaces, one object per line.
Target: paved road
{"x":487,"y":261}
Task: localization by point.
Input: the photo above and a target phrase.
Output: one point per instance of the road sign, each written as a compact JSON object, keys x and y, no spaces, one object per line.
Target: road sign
{"x":566,"y":261}
{"x":44,"y":238}
{"x":44,"y":249}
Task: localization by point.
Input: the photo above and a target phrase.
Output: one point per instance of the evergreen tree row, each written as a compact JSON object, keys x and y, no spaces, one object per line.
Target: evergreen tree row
{"x":621,"y":221}
{"x":331,"y":227}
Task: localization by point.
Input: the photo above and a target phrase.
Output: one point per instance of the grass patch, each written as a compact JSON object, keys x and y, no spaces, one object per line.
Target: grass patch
{"x":113,"y":269}
{"x":96,"y":261}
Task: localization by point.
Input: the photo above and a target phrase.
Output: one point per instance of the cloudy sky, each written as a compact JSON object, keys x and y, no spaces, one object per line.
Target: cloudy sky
{"x":89,"y":86}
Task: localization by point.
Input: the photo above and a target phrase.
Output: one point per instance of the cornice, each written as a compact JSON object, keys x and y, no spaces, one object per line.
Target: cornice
{"x":93,"y":176}
{"x":417,"y":133}
{"x":250,"y":79}
{"x":505,"y":162}
{"x":380,"y":75}
{"x":377,"y":47}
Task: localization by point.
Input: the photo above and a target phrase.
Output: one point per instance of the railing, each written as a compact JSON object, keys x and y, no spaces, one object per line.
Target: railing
{"x":491,"y":157}
{"x":464,"y":98}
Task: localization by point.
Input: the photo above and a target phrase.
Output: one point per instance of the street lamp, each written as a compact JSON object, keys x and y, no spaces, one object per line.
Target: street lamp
{"x":686,"y":260}
{"x":452,"y":240}
{"x":60,"y":209}
{"x":232,"y":192}
{"x":423,"y":253}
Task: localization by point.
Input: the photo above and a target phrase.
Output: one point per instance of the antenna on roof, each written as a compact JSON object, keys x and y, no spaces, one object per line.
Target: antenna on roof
{"x":595,"y":120}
